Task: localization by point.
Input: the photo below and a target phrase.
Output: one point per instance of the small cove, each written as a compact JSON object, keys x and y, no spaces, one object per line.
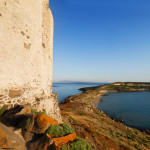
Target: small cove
{"x":131,"y":107}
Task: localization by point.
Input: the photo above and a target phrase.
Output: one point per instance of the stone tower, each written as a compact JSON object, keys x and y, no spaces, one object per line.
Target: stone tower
{"x":26,"y":55}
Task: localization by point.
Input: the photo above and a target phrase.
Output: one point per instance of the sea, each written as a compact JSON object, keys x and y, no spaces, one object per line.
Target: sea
{"x":68,"y":89}
{"x":131,"y":108}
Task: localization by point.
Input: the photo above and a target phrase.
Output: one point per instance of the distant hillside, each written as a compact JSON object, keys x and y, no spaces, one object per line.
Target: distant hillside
{"x":122,"y":87}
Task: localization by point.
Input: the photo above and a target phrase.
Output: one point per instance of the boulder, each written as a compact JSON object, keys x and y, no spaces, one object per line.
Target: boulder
{"x":28,"y":136}
{"x":16,"y":115}
{"x":44,"y":142}
{"x":10,"y":140}
{"x":42,"y":122}
{"x":25,"y":110}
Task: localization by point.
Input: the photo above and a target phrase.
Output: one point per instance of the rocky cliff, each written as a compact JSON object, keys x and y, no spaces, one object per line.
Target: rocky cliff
{"x":26,"y":55}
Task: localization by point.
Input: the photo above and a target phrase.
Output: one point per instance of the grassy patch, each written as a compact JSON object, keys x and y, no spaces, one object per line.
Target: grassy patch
{"x":118,"y":88}
{"x":28,"y":123}
{"x":65,"y":147}
{"x":67,"y":129}
{"x":73,"y":120}
{"x":70,"y":117}
{"x":57,"y":131}
{"x":33,"y":111}
{"x":80,"y":144}
{"x":2,"y":110}
{"x":127,"y":87}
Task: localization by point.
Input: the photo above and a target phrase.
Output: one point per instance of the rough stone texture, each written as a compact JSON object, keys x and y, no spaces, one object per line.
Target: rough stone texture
{"x":23,"y":130}
{"x":10,"y":140}
{"x":44,"y":142}
{"x":25,"y":110}
{"x":16,"y":116}
{"x":26,"y":58}
{"x":42,"y":123}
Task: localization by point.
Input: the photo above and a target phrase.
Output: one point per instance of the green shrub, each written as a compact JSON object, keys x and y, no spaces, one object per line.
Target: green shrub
{"x":67,"y":129}
{"x":33,"y":111}
{"x":57,"y":131}
{"x":28,"y":123}
{"x":65,"y":147}
{"x":80,"y":144}
{"x":2,"y":110}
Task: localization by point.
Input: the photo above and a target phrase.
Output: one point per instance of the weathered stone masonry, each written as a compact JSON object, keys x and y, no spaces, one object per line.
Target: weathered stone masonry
{"x":26,"y":55}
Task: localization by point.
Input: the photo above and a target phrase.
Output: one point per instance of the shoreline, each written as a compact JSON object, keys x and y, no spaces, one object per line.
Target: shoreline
{"x":96,"y":99}
{"x":99,"y":100}
{"x":122,"y":121}
{"x":96,"y":127}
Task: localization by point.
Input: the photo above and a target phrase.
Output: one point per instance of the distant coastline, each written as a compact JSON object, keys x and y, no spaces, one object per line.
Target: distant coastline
{"x":96,"y":92}
{"x":117,"y":87}
{"x":92,"y":95}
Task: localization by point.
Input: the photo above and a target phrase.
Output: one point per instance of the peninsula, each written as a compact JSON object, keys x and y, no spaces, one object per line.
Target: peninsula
{"x":101,"y":131}
{"x":91,"y":95}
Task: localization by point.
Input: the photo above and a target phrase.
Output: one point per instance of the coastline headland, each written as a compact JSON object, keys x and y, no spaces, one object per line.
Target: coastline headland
{"x":92,"y":95}
{"x":101,"y":131}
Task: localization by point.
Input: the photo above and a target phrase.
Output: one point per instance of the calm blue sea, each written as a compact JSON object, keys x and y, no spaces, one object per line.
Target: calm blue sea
{"x":67,"y":89}
{"x":131,"y":107}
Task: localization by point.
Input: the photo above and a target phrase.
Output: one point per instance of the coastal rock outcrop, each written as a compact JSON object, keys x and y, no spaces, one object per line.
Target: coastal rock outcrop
{"x":10,"y":140}
{"x":34,"y":131}
{"x":26,"y":55}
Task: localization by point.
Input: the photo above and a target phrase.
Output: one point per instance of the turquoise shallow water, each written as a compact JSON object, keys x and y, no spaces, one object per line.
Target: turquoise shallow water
{"x":131,"y":107}
{"x":67,"y":89}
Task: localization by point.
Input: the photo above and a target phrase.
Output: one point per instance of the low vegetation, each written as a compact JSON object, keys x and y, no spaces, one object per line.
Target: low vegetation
{"x":67,"y":129}
{"x":33,"y":111}
{"x":28,"y":123}
{"x":78,"y":144}
{"x":57,"y":136}
{"x":2,"y":110}
{"x":100,"y":131}
{"x":126,"y":88}
{"x":60,"y":130}
{"x":97,"y":128}
{"x":121,"y":87}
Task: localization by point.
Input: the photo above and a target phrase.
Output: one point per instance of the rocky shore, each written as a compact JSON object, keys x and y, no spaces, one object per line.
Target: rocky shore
{"x":97,"y":128}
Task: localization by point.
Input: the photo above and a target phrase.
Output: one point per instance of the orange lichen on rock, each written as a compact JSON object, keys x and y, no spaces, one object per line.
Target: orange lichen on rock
{"x":65,"y":139}
{"x":3,"y":139}
{"x":43,"y":121}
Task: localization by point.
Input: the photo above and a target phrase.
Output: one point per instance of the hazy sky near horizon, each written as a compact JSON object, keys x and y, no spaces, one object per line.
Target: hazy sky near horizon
{"x":101,"y":40}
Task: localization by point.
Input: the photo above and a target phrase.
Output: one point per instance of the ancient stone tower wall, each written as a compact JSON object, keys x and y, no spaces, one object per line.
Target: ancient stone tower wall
{"x":26,"y":55}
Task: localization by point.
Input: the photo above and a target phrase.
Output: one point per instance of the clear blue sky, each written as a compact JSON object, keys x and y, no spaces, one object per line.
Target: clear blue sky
{"x":101,"y":40}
